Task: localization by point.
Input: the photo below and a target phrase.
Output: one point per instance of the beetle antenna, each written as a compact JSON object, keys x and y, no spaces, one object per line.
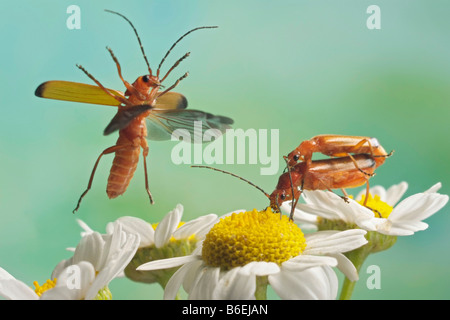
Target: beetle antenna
{"x":139,"y":39}
{"x":236,"y":176}
{"x":173,"y":46}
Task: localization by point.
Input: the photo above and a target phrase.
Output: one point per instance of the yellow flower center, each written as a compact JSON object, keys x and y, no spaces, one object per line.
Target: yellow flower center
{"x":49,"y":284}
{"x":380,"y":208}
{"x":252,"y":236}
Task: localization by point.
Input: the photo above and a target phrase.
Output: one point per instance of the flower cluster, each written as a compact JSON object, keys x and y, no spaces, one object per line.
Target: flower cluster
{"x":239,"y":254}
{"x":96,"y":260}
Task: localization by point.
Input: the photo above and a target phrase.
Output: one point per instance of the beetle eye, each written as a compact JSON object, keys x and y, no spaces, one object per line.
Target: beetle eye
{"x":145,"y":78}
{"x":296,"y":157}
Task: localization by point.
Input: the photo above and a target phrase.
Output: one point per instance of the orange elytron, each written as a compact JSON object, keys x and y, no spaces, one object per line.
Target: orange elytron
{"x":337,"y":146}
{"x":144,"y":112}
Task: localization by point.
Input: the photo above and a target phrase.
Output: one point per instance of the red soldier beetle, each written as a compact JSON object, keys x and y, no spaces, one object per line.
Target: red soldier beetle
{"x":337,"y":146}
{"x":143,"y":112}
{"x":334,"y":173}
{"x":327,"y":174}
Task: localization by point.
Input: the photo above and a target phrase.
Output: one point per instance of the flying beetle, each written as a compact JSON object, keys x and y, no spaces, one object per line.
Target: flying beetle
{"x":144,"y":112}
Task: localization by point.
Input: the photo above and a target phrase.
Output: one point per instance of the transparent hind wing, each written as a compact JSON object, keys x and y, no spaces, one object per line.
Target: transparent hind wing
{"x":189,"y":125}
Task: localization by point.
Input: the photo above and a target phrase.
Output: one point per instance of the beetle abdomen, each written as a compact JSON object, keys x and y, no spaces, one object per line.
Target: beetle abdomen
{"x":122,"y":170}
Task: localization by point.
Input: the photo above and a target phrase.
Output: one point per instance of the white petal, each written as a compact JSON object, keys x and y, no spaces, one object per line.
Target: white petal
{"x":307,"y":212}
{"x":100,"y":281}
{"x":234,"y":285}
{"x":205,"y":283}
{"x":140,"y":227}
{"x":181,"y":275}
{"x":116,"y":245}
{"x":304,"y":261}
{"x":299,"y":216}
{"x":287,"y":285}
{"x":346,"y":266}
{"x":331,"y":284}
{"x":61,"y":266}
{"x":434,"y":188}
{"x":260,"y":268}
{"x":191,"y":275}
{"x":331,"y":206}
{"x":73,"y":283}
{"x":111,"y":246}
{"x":13,"y":289}
{"x":167,"y":226}
{"x":402,"y":228}
{"x":368,"y":224}
{"x":90,"y":248}
{"x":116,"y":264}
{"x":358,"y":214}
{"x":310,"y":284}
{"x":5,"y":275}
{"x":418,"y":207}
{"x":197,"y":226}
{"x":395,"y":193}
{"x":167,"y":263}
{"x":322,"y":203}
{"x":324,"y":242}
{"x":85,"y":227}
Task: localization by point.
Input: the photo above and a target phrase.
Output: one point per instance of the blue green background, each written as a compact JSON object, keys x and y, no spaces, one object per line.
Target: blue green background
{"x":303,"y":67}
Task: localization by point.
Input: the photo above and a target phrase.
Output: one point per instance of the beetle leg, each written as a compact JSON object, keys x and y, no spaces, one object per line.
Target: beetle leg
{"x":174,"y":85}
{"x":145,"y":153}
{"x":129,"y":87}
{"x":120,"y":99}
{"x":106,"y":151}
{"x":345,"y":197}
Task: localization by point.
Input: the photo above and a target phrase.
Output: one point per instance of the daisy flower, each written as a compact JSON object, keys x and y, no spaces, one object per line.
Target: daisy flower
{"x":388,"y":216}
{"x":169,"y":238}
{"x":96,"y":261}
{"x":75,"y":288}
{"x":384,"y":216}
{"x":244,"y":252}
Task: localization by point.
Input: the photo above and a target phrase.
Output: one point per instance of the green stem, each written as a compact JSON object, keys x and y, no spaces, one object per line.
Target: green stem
{"x":358,"y":257}
{"x":261,"y":288}
{"x":347,"y":289}
{"x":376,"y":242}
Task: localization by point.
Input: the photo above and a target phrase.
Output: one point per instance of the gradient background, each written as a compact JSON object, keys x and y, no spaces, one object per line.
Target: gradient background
{"x":304,"y":67}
